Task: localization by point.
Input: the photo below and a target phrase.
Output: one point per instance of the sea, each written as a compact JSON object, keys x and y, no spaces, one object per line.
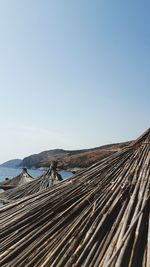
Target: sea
{"x":10,"y":173}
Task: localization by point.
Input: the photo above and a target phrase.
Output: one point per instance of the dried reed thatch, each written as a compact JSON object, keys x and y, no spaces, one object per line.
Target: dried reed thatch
{"x":100,"y":217}
{"x":21,"y":179}
{"x":49,"y":178}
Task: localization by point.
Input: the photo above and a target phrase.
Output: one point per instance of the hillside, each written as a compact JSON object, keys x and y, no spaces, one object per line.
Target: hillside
{"x":70,"y":159}
{"x":14,"y":163}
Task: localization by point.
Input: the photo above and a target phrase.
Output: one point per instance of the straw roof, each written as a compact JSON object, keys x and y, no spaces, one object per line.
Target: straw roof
{"x":49,"y":178}
{"x":100,"y":217}
{"x":21,"y":179}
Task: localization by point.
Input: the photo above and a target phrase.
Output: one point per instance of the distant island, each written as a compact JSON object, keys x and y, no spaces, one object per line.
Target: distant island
{"x":14,"y":163}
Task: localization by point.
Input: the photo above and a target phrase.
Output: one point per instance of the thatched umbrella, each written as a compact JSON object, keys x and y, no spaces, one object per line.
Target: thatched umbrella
{"x":49,"y":178}
{"x":99,"y":218}
{"x":21,"y":179}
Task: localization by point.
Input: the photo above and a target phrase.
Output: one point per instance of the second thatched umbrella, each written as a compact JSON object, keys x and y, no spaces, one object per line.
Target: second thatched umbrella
{"x":49,"y":178}
{"x":21,"y":179}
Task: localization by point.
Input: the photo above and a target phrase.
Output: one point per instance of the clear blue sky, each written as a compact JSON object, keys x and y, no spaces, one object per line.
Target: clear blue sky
{"x":73,"y":74}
